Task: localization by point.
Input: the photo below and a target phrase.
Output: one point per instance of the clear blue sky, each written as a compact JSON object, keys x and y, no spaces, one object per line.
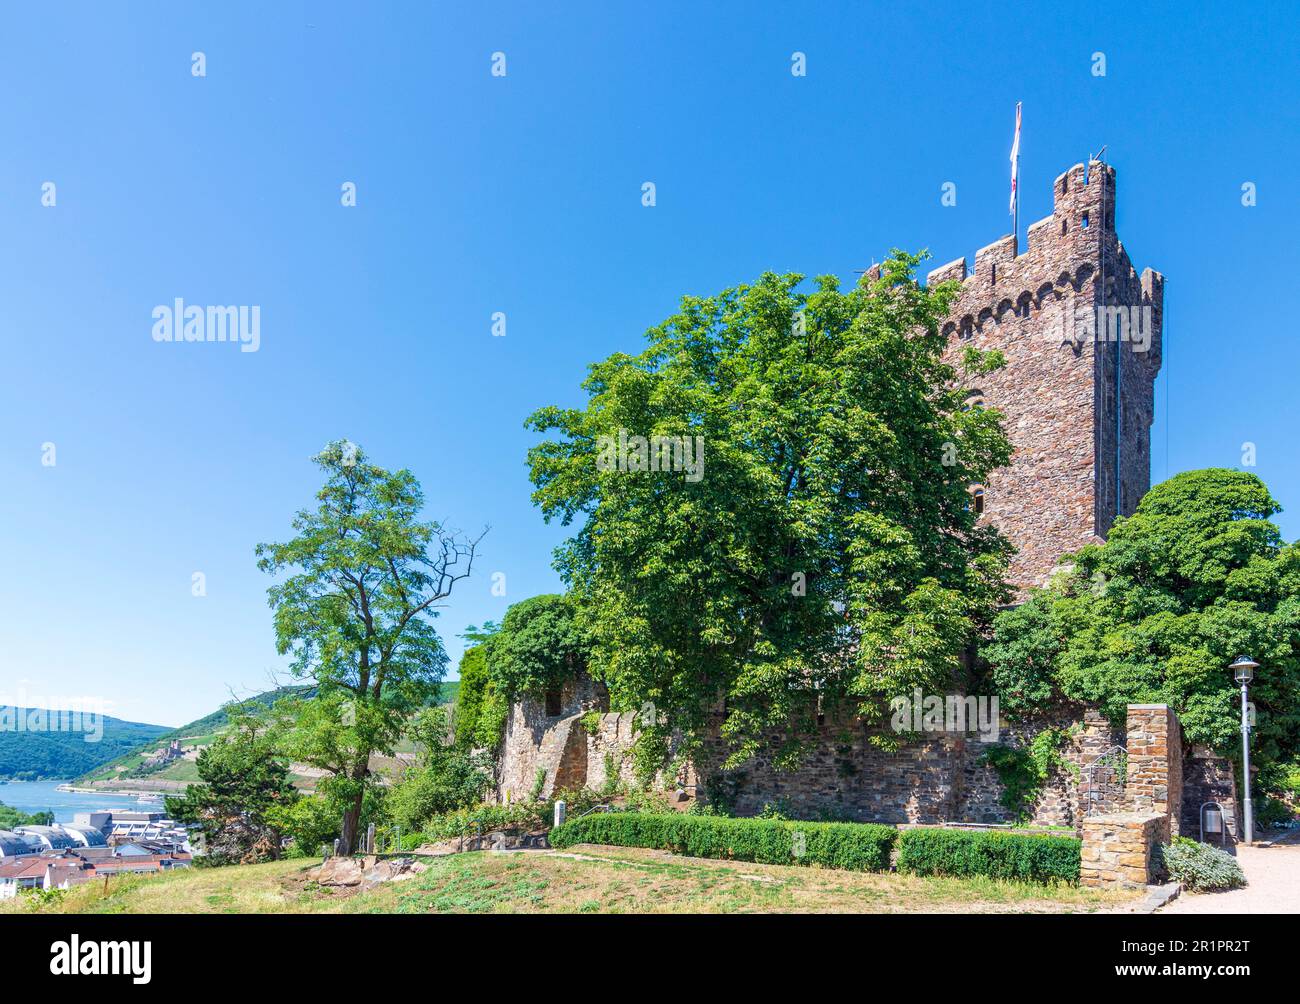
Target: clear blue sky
{"x":523,"y":194}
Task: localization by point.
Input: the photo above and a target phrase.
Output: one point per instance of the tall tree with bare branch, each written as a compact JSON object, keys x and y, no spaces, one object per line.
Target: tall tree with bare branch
{"x":355,"y":614}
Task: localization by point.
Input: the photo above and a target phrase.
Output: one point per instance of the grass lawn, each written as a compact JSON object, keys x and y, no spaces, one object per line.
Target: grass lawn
{"x":585,"y":879}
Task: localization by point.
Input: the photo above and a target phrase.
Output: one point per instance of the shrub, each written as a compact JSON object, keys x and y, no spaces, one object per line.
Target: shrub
{"x":1200,"y":867}
{"x":311,"y":822}
{"x":445,"y":778}
{"x":851,"y":846}
{"x":452,"y":778}
{"x":475,"y":820}
{"x":1270,"y":811}
{"x":995,"y":854}
{"x":1289,"y":781}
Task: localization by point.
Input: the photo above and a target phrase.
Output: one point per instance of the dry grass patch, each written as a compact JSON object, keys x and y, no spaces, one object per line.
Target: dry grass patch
{"x":585,"y":879}
{"x":239,"y":889}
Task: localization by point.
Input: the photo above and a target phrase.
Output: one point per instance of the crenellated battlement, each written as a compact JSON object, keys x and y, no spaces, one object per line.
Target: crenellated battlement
{"x":1083,"y":206}
{"x":1064,"y":253}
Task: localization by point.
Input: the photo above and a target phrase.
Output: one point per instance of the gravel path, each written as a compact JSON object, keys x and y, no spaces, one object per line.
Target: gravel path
{"x":1273,"y":874}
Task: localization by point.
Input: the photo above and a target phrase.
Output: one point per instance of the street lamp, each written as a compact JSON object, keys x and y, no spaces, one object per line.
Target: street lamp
{"x":1243,"y":671}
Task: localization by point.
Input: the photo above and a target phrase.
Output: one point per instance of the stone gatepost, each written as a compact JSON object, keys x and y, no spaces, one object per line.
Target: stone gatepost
{"x":1119,"y":847}
{"x":1155,"y":763}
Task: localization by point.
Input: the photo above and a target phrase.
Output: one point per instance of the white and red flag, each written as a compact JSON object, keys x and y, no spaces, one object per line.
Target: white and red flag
{"x":1015,"y":162}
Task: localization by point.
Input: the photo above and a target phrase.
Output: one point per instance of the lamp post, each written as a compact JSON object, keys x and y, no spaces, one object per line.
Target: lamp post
{"x":1243,"y":671}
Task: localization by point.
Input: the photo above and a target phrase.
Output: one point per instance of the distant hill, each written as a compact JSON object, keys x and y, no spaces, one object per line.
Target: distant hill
{"x":35,"y":756}
{"x":200,"y":732}
{"x":204,"y":728}
{"x":129,"y":769}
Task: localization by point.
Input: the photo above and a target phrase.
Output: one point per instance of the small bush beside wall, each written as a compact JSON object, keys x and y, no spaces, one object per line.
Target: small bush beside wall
{"x":849,"y":846}
{"x":994,"y":854}
{"x":1200,"y":867}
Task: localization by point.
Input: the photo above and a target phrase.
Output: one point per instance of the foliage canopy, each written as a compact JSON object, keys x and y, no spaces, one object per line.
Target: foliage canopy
{"x":1196,"y":576}
{"x":829,"y":549}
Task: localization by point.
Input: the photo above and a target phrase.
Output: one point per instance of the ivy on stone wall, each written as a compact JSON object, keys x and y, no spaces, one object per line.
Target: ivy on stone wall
{"x":1024,"y":770}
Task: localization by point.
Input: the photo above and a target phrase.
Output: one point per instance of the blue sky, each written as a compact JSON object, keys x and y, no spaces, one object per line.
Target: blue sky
{"x":522,"y":194}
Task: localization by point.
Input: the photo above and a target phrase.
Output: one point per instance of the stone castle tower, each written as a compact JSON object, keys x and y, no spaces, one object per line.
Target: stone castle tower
{"x":1081,"y":332}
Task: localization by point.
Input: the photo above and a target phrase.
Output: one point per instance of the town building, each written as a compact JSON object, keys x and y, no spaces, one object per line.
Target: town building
{"x":73,"y":865}
{"x":100,"y":829}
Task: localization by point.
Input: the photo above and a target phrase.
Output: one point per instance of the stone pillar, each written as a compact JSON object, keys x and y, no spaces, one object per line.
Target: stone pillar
{"x":1155,"y":762}
{"x":1119,"y":848}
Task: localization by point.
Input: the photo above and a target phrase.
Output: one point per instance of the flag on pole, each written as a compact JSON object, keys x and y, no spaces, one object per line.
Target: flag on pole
{"x":1015,"y":162}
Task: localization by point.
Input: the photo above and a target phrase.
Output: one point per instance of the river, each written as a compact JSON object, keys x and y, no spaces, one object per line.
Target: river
{"x":42,"y":796}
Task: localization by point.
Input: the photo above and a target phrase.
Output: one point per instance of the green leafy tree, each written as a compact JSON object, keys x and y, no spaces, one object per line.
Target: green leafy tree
{"x":825,"y":550}
{"x":356,"y":615}
{"x":11,"y":817}
{"x":540,"y":645}
{"x":481,"y":707}
{"x":446,"y":778}
{"x":478,"y":635}
{"x":309,"y":822}
{"x":1196,"y":576}
{"x":244,"y":781}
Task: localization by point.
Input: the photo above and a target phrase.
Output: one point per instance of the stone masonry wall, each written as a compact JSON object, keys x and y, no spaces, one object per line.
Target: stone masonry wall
{"x":1208,"y":778}
{"x":554,"y":744}
{"x":844,"y":775}
{"x":1100,"y":765}
{"x":572,"y":750}
{"x":609,"y":750}
{"x":1118,"y":848}
{"x":942,"y":779}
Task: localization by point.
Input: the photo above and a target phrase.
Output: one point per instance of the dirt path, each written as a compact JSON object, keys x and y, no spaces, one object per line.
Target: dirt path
{"x":1273,"y":874}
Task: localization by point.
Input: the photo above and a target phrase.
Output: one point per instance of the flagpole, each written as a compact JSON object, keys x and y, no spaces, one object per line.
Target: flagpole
{"x":1015,"y":183}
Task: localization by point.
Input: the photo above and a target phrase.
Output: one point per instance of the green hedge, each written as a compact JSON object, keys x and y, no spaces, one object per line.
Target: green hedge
{"x":996,"y":854}
{"x":851,"y":846}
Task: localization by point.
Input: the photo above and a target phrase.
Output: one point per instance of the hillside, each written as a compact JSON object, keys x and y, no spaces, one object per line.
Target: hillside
{"x":202,"y":729}
{"x":126,"y":764}
{"x":34,"y":756}
{"x":130,"y":763}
